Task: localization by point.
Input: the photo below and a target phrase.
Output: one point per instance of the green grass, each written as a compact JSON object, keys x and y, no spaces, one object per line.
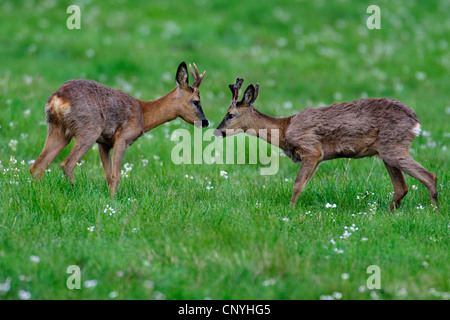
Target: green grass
{"x":170,"y":237}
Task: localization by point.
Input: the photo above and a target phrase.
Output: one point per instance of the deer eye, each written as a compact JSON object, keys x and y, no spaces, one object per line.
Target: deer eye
{"x":196,"y":103}
{"x":230,"y":116}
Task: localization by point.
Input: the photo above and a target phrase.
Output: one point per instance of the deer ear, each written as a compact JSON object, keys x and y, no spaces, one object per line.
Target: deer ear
{"x":182,"y":77}
{"x":249,"y":95}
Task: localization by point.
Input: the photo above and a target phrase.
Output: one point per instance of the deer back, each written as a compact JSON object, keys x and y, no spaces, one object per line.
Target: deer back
{"x":81,"y":105}
{"x":351,"y":129}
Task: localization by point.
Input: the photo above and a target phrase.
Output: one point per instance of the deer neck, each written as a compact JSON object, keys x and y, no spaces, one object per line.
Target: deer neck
{"x":270,"y":129}
{"x":157,"y":112}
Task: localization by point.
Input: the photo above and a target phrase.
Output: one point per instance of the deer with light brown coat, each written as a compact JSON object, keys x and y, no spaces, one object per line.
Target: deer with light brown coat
{"x":356,"y":129}
{"x":91,"y":112}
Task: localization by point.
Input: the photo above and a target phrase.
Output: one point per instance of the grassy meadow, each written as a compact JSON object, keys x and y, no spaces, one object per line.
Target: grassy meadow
{"x":193,"y":231}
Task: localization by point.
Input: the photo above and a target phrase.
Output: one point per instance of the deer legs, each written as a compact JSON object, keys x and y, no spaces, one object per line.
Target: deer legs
{"x":415,"y":170}
{"x":119,"y":151}
{"x":400,"y":188}
{"x":105,"y":156}
{"x":82,"y":145}
{"x":112,"y":168}
{"x":56,"y":141}
{"x":309,"y":166}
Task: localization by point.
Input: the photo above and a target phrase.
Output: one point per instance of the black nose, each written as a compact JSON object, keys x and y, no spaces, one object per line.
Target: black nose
{"x":205,"y":123}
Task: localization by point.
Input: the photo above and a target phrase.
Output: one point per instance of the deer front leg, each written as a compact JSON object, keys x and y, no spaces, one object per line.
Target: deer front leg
{"x":119,"y":150}
{"x":309,"y":166}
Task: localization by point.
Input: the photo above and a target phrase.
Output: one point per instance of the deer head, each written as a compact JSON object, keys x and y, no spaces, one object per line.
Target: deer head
{"x":239,"y":114}
{"x":189,"y":106}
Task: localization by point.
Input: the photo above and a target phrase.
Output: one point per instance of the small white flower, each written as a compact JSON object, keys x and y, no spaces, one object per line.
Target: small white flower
{"x":268,"y":282}
{"x":27,"y":79}
{"x":414,"y":187}
{"x":285,"y":219}
{"x":402,"y":292}
{"x":345,"y":235}
{"x":13,"y":144}
{"x":90,"y":53}
{"x":91,"y":229}
{"x":337,"y":295}
{"x":109,"y":210}
{"x":421,"y":75}
{"x":345,"y":276}
{"x":159,"y":295}
{"x":27,"y":112}
{"x":113,"y":294}
{"x":328,"y":205}
{"x":90,"y":283}
{"x":6,"y":286}
{"x":24,"y":295}
{"x":35,"y":259}
{"x":149,"y":284}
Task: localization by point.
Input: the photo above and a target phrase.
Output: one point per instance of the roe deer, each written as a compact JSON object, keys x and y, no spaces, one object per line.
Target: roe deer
{"x":92,"y":112}
{"x":356,"y":129}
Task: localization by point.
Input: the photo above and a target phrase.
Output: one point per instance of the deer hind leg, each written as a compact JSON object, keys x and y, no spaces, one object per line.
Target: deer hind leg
{"x":400,"y":187}
{"x":82,"y":145}
{"x":415,"y":170}
{"x":307,"y":169}
{"x":119,"y":150}
{"x":105,"y":156}
{"x":56,"y":141}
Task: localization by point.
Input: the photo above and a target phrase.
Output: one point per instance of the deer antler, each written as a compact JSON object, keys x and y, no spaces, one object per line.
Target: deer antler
{"x":235,"y":88}
{"x":197,"y":77}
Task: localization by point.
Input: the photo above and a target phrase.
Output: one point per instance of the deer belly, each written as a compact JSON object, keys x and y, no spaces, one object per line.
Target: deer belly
{"x":349,"y":152}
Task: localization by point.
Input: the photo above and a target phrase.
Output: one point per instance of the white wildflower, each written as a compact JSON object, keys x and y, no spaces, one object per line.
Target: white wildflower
{"x":35,"y":259}
{"x":109,"y":210}
{"x":224,"y":174}
{"x":90,"y":283}
{"x":24,"y":295}
{"x":6,"y":286}
{"x":13,"y":144}
{"x":345,"y":276}
{"x":337,"y":295}
{"x":268,"y":282}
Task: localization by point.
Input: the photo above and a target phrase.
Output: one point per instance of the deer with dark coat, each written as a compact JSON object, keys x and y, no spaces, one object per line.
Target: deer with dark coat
{"x":356,"y":129}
